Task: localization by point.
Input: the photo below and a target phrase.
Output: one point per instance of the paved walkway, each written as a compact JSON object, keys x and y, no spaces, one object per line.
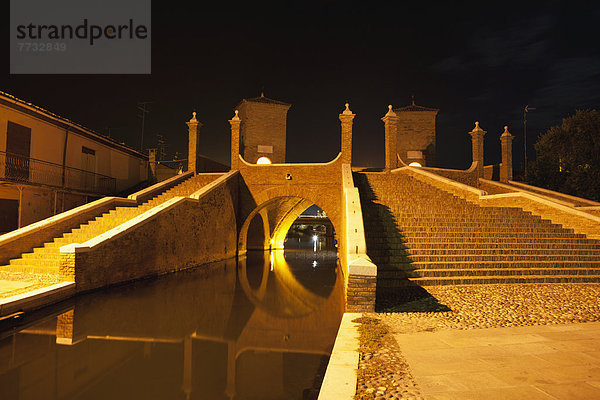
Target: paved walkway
{"x":16,"y":283}
{"x":530,"y":362}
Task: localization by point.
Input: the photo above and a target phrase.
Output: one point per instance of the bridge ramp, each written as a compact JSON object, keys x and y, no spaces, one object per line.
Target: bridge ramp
{"x":45,"y":259}
{"x":421,"y":234}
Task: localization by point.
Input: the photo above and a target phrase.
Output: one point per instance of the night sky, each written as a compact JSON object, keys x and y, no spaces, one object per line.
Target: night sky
{"x":473,"y":63}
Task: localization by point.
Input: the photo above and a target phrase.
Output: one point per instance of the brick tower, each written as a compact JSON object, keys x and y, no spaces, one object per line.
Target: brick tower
{"x":263,"y":129}
{"x":416,"y":134}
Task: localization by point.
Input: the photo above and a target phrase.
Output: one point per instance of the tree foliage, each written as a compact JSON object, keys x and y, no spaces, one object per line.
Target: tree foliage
{"x":568,"y":157}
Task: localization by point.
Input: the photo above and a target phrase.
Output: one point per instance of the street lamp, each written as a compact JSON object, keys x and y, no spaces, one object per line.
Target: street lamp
{"x":525,"y":111}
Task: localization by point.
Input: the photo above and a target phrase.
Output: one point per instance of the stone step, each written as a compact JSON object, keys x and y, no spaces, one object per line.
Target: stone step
{"x":426,"y":241}
{"x":461,"y":272}
{"x":388,"y":227}
{"x":551,"y":245}
{"x":505,"y":280}
{"x":410,"y":237}
{"x":488,"y":264}
{"x":412,"y":253}
{"x":29,"y":269}
{"x":455,"y":259}
{"x":465,"y":230}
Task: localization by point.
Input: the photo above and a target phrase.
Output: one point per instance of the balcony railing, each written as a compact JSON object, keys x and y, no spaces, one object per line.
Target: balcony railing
{"x":19,"y":169}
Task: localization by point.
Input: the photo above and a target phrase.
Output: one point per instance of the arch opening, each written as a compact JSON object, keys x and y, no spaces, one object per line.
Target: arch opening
{"x":288,"y":262}
{"x":287,"y":222}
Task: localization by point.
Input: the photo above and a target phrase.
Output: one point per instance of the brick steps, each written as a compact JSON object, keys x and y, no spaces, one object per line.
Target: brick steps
{"x":423,"y":248}
{"x":47,"y":257}
{"x":450,"y":235}
{"x":466,"y":229}
{"x":417,"y":232}
{"x":493,"y":270}
{"x":488,"y":264}
{"x":505,"y":280}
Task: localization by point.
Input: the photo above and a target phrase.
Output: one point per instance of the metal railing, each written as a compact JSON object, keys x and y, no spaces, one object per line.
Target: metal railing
{"x":20,"y":169}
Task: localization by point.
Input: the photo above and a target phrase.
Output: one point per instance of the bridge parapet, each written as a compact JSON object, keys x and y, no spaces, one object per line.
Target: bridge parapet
{"x":361,"y":273}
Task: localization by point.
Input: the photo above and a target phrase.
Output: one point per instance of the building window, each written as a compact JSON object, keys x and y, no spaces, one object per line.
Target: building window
{"x":87,"y":150}
{"x":18,"y":147}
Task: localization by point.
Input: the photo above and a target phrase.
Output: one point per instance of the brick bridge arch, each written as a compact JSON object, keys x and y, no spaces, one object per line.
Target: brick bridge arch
{"x":279,"y":193}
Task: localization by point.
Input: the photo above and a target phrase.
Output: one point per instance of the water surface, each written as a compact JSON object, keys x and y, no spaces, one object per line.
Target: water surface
{"x":257,"y":328}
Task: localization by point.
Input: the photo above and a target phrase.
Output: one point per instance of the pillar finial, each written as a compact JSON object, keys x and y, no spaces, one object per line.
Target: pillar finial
{"x":477,"y":128}
{"x":390,"y":112}
{"x":193,"y":117}
{"x":347,"y":111}
{"x":236,"y":117}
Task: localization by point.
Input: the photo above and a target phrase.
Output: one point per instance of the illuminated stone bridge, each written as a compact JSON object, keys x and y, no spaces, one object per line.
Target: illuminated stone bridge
{"x":421,"y":225}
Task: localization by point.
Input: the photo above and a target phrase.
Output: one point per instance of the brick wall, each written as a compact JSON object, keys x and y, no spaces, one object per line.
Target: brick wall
{"x":262,"y":125}
{"x":179,"y":234}
{"x":416,"y":131}
{"x":360,"y":293}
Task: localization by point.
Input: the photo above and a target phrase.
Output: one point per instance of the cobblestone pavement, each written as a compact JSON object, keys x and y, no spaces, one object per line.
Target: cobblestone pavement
{"x":13,"y":283}
{"x":469,"y":307}
{"x":383,"y":373}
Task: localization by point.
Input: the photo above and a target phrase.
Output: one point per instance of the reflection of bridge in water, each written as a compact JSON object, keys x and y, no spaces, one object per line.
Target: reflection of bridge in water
{"x":307,"y":229}
{"x":256,"y":331}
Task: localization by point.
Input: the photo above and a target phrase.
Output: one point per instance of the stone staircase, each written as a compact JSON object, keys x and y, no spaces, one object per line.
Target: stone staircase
{"x":419,"y":234}
{"x":45,"y":259}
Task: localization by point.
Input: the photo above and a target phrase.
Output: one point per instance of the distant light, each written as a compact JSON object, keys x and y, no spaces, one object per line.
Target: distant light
{"x":263,"y":160}
{"x":414,"y":164}
{"x":315,"y":264}
{"x":315,"y":238}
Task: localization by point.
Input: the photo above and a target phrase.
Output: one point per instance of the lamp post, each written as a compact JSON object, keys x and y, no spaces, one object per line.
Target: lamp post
{"x":525,"y":111}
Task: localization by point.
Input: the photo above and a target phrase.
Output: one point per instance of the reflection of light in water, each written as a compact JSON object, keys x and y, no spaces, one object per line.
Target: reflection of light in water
{"x":289,"y":290}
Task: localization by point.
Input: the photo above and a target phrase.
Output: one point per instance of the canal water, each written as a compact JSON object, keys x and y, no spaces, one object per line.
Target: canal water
{"x":260,"y":327}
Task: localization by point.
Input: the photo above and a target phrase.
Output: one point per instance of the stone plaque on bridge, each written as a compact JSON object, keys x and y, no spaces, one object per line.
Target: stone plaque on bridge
{"x":413,"y":154}
{"x":265,"y":149}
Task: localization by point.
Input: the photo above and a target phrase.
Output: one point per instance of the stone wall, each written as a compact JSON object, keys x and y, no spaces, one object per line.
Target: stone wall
{"x":580,"y":221}
{"x":180,"y":233}
{"x":467,"y":177}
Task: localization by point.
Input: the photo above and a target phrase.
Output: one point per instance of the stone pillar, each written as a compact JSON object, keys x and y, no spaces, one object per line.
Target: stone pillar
{"x":506,"y":170}
{"x":152,"y":162}
{"x":193,"y":126}
{"x":390,"y":121}
{"x":235,"y":140}
{"x":477,"y":135}
{"x":346,"y":118}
